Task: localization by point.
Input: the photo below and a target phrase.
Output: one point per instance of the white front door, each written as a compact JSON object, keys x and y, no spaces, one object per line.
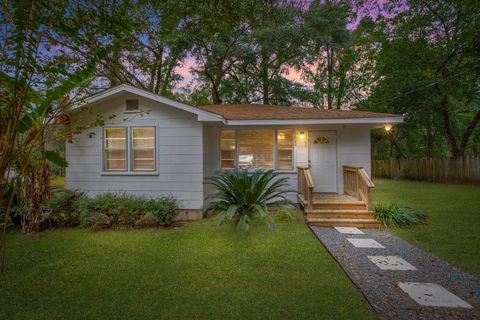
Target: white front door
{"x":323,"y":160}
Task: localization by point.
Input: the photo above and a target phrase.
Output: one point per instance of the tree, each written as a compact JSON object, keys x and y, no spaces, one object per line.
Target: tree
{"x":428,"y":68}
{"x":218,"y":33}
{"x":275,"y":44}
{"x":36,"y":88}
{"x":150,"y":37}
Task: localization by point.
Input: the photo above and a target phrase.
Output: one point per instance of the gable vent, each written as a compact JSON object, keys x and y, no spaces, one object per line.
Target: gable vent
{"x":132,"y":105}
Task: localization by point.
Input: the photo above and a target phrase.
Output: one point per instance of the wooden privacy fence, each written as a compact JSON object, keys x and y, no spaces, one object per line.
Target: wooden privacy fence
{"x":465,"y":169}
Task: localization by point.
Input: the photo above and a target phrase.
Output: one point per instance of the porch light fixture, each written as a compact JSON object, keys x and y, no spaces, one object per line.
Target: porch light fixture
{"x":301,"y":134}
{"x":388,"y":127}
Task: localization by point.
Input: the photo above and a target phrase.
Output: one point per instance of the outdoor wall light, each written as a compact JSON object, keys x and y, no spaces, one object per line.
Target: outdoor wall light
{"x":388,"y":127}
{"x":302,"y":134}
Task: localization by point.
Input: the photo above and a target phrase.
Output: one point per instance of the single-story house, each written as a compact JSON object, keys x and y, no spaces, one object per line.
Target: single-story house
{"x":153,"y":146}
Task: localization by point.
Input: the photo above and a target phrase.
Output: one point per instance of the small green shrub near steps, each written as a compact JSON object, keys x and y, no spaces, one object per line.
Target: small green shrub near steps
{"x":395,"y":216}
{"x":72,"y":208}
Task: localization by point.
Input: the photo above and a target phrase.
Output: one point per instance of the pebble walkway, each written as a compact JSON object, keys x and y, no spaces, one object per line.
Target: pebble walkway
{"x":398,"y":279}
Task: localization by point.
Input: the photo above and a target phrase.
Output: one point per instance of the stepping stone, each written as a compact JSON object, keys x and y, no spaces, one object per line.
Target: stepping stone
{"x":432,"y":295}
{"x":365,"y":243}
{"x":391,"y":263}
{"x":349,"y":230}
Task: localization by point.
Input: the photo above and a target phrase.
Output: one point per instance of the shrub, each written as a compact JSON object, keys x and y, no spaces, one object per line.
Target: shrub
{"x":241,"y":195}
{"x":126,"y":210}
{"x":71,"y":208}
{"x":163,"y":210}
{"x":395,"y":215}
{"x":117,"y":209}
{"x":63,"y":207}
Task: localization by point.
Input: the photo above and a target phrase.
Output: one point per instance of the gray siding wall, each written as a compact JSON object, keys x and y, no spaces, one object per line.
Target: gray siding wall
{"x":179,"y":154}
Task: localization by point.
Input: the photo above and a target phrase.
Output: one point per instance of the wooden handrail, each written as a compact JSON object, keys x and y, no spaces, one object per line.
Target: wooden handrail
{"x":357,"y":183}
{"x":305,"y":185}
{"x":366,"y":178}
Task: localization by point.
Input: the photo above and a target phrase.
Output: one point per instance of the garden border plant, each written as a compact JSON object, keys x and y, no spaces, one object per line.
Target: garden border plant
{"x":394,"y":215}
{"x":241,"y":194}
{"x":71,"y":208}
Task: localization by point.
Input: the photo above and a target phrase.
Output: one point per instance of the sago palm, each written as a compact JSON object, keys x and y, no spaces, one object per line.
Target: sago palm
{"x":240,"y":195}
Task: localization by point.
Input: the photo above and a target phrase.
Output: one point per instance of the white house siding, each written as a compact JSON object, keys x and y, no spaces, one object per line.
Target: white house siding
{"x":353,"y":148}
{"x":179,"y":155}
{"x":211,"y":162}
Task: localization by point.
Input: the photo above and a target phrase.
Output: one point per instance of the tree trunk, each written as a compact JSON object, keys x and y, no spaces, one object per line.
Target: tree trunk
{"x":159,"y":72}
{"x":468,"y":133}
{"x":330,"y":78}
{"x":265,"y":80}
{"x":448,"y":128}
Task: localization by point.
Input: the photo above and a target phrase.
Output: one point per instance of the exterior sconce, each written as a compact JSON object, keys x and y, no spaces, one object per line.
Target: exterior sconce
{"x":301,"y":135}
{"x":388,"y":127}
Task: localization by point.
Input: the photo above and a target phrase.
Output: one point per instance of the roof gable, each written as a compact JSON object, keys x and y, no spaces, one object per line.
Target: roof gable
{"x":203,"y":115}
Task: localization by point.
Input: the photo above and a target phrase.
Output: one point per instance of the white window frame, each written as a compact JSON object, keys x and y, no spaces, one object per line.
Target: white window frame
{"x":235,"y":155}
{"x":275,"y":148}
{"x":104,"y":150}
{"x":131,"y":128}
{"x":293,"y":150}
{"x":129,"y":171}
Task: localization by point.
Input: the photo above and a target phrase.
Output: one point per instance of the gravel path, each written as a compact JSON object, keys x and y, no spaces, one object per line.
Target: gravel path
{"x":380,"y":287}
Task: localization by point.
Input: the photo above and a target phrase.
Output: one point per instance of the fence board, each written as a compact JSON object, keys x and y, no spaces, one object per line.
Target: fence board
{"x":465,"y":169}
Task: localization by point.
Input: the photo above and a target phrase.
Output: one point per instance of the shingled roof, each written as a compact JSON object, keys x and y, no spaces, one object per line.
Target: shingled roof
{"x":269,"y":112}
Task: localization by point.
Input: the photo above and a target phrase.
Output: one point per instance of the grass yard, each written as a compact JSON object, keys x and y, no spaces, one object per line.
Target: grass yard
{"x":452,"y":227}
{"x":192,"y":272}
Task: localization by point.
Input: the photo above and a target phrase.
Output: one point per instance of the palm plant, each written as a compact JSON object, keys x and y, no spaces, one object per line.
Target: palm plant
{"x":242,"y":195}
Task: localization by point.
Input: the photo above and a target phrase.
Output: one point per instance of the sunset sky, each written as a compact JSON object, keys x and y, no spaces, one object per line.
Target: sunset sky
{"x":372,"y":8}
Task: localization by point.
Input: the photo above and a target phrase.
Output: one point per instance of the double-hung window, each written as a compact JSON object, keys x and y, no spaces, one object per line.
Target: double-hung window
{"x":115,"y":149}
{"x":285,"y":149}
{"x":129,"y":149}
{"x":143,"y":149}
{"x":251,"y":149}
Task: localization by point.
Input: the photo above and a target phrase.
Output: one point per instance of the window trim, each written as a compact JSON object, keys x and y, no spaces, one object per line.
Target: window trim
{"x":104,"y":149}
{"x":293,"y":150}
{"x":235,"y":156}
{"x":275,"y":148}
{"x":132,"y":169}
{"x":128,"y":171}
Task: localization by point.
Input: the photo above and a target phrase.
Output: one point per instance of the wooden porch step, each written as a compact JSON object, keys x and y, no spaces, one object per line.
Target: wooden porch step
{"x":334,"y":222}
{"x":340,"y":214}
{"x":354,"y":205}
{"x":337,"y":202}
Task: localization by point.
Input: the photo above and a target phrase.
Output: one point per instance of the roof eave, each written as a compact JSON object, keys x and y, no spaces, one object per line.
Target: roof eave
{"x":371,"y":120}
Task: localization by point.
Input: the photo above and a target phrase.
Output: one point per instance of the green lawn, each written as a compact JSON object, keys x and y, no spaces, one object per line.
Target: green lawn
{"x":452,"y":227}
{"x":198,"y":272}
{"x":192,"y":272}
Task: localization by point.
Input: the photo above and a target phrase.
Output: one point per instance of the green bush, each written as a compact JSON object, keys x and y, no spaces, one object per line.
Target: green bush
{"x":64,"y":207}
{"x":103,"y":211}
{"x":241,"y":195}
{"x":395,"y":215}
{"x":163,"y":210}
{"x":118,"y":209}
